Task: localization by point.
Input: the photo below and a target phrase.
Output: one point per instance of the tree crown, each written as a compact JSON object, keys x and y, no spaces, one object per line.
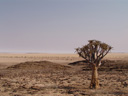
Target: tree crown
{"x":94,"y":51}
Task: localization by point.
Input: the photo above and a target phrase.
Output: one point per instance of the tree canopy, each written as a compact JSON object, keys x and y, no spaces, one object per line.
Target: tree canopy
{"x":94,"y":51}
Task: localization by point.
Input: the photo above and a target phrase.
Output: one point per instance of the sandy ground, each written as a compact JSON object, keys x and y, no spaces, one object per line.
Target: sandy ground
{"x":53,"y":75}
{"x":10,"y":59}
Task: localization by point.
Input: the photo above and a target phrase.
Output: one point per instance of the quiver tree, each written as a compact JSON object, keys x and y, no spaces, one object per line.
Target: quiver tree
{"x":93,"y":53}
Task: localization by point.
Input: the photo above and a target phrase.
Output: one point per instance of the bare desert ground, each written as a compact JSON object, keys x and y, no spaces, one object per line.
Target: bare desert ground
{"x":61,"y":75}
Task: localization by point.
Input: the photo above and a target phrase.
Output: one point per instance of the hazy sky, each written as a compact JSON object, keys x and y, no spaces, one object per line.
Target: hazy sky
{"x":59,"y":26}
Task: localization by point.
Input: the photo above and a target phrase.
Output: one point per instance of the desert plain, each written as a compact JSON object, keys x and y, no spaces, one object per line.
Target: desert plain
{"x":41,"y":74}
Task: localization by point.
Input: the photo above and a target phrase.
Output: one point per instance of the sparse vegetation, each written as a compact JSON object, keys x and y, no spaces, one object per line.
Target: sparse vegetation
{"x":65,"y":78}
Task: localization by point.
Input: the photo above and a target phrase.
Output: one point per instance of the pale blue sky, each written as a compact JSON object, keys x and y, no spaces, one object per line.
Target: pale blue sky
{"x":59,"y":26}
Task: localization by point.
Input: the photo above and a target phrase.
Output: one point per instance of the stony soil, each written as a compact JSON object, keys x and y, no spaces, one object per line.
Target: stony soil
{"x":44,"y":78}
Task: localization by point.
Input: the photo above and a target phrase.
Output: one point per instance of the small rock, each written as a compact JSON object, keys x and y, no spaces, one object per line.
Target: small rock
{"x":70,"y":91}
{"x":36,"y":87}
{"x":83,"y":94}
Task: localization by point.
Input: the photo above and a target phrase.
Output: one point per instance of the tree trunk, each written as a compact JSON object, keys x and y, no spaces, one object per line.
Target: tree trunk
{"x":94,"y":82}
